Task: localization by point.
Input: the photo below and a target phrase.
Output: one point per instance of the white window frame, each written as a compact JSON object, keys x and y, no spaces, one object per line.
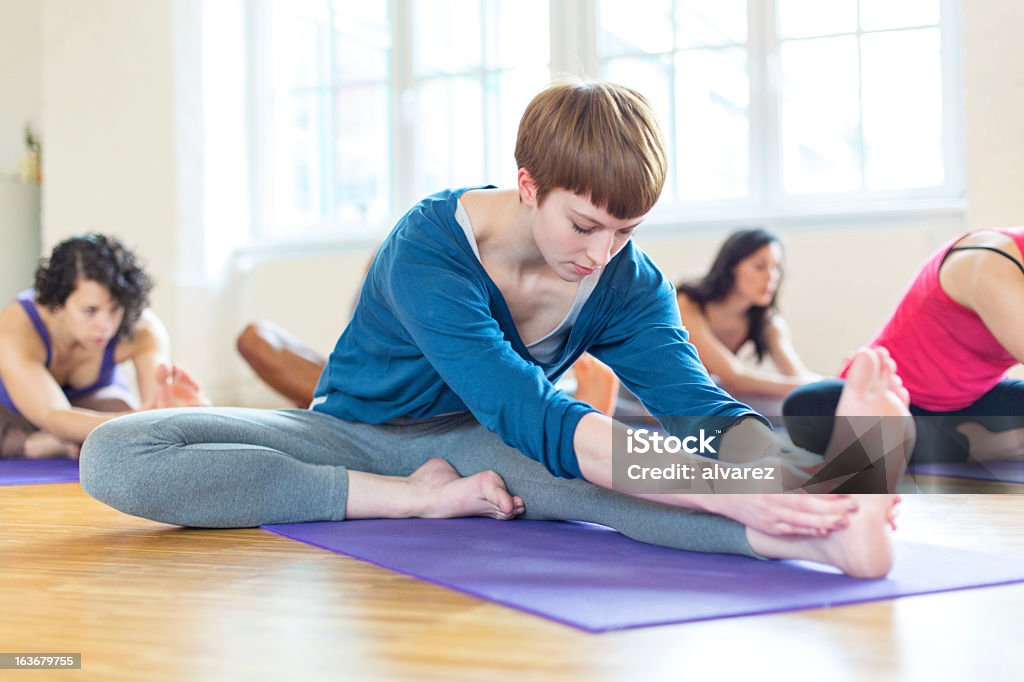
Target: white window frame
{"x":768,"y":203}
{"x":573,"y":35}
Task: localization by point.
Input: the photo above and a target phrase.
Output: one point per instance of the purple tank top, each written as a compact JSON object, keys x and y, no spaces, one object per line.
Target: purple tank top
{"x":108,"y":376}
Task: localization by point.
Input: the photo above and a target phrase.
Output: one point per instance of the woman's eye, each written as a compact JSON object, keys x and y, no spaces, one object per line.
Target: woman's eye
{"x":582,"y":230}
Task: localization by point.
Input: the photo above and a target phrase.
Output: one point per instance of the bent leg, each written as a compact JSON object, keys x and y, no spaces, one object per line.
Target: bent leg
{"x":20,"y":438}
{"x":223,"y":467}
{"x":113,"y":398}
{"x":990,"y":429}
{"x":281,"y":360}
{"x":596,"y":383}
{"x":993,"y":426}
{"x":808,"y":414}
{"x":235,"y":467}
{"x":15,"y":430}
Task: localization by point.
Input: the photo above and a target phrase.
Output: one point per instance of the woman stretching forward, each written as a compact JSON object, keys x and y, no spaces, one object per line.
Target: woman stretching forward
{"x":733,"y":304}
{"x":955,"y":333}
{"x":476,"y":302}
{"x":61,"y":344}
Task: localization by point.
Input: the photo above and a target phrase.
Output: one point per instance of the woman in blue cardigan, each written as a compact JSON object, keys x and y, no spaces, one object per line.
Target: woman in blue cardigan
{"x":438,"y":399}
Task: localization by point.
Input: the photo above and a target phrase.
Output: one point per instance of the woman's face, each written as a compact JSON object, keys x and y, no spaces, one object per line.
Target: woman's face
{"x":575,"y":237}
{"x":757,"y":276}
{"x":90,"y":315}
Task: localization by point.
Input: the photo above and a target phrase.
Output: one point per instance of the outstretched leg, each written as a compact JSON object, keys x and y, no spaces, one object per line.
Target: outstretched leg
{"x":863,"y":549}
{"x":860,"y":546}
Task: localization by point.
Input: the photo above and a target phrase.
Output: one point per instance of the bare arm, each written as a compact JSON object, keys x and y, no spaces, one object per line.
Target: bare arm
{"x":782,"y":351}
{"x":36,"y":393}
{"x":161,"y":383}
{"x":994,"y":288}
{"x":148,"y":349}
{"x":749,"y":439}
{"x":723,"y":363}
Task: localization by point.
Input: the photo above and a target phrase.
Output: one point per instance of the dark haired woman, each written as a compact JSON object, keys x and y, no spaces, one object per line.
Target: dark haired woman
{"x":61,"y":344}
{"x":735,"y":304}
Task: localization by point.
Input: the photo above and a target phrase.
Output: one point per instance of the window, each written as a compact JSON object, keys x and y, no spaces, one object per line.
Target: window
{"x":777,"y":104}
{"x":373,"y":105}
{"x":769,"y":106}
{"x":324,"y":139}
{"x":475,"y":67}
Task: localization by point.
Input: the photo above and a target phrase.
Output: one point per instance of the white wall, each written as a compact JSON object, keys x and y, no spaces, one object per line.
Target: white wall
{"x":994,"y":111}
{"x":20,"y":77}
{"x":123,"y":114}
{"x":20,"y":102}
{"x":19,"y":227}
{"x":130,"y":150}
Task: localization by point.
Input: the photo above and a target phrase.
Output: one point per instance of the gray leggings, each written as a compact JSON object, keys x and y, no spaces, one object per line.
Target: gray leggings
{"x":236,"y":467}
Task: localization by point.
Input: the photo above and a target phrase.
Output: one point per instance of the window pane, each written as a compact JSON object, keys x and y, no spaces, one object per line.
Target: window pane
{"x":362,"y":41}
{"x":449,"y":134}
{"x":652,"y":78}
{"x":508,"y":93}
{"x":362,"y":153}
{"x":299,"y":172}
{"x":518,"y":34}
{"x":446,"y":36}
{"x":820,"y":116}
{"x":880,"y":14}
{"x":712,"y":124}
{"x":808,"y":18}
{"x":634,"y":27}
{"x":299,"y":38}
{"x":902,"y":109}
{"x":707,"y":23}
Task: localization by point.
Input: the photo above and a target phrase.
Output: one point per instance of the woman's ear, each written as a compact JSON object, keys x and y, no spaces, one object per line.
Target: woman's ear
{"x":527,"y":188}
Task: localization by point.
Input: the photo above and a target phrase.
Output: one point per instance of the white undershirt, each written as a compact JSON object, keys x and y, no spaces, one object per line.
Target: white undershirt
{"x":547,"y":348}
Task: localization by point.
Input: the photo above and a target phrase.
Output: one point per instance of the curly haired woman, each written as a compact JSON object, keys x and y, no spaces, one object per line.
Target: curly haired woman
{"x":62,"y":342}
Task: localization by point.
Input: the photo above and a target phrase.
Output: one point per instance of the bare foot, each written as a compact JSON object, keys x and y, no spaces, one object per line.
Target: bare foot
{"x":43,"y":445}
{"x":447,"y":495}
{"x":873,"y":433}
{"x":873,"y":388}
{"x":596,"y":383}
{"x":987,"y":446}
{"x":862,"y":550}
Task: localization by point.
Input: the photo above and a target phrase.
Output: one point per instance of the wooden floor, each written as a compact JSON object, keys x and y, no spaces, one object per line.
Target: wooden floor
{"x":141,"y":600}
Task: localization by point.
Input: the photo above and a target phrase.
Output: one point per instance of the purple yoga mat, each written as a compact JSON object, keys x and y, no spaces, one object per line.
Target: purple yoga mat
{"x":595,"y":579}
{"x":1005,"y":472}
{"x":25,"y":471}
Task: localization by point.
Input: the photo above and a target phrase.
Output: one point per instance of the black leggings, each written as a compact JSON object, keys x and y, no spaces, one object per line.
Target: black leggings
{"x":808,"y":411}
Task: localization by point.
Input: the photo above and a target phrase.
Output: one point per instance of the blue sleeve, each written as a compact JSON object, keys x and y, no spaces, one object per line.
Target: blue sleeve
{"x":646,"y":346}
{"x":442,"y":302}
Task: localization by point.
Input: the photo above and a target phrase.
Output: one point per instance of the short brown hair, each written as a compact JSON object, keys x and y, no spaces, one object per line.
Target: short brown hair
{"x":594,"y":139}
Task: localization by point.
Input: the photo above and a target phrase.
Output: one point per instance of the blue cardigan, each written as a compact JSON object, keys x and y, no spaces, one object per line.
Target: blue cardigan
{"x":432,"y":335}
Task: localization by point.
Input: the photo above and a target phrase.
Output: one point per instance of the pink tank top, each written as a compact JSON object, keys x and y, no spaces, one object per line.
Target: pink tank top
{"x":945,"y":355}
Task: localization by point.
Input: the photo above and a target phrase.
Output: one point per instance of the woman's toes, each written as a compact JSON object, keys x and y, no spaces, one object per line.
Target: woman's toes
{"x":863,"y":369}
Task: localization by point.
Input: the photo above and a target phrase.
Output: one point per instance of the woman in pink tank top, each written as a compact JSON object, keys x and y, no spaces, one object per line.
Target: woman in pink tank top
{"x":955,"y":333}
{"x":61,"y":344}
